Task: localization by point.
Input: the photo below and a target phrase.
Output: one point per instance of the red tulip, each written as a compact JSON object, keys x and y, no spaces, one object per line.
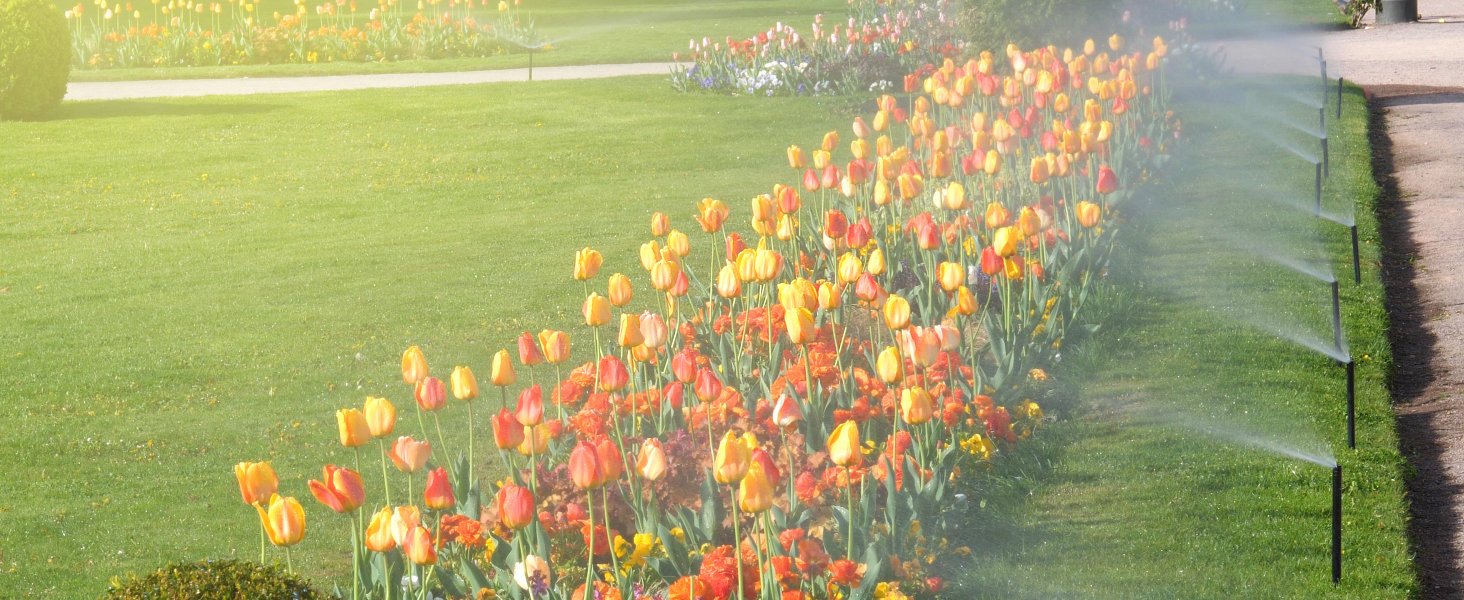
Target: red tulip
{"x":683,"y":365}
{"x":707,"y":387}
{"x":431,"y":394}
{"x":341,"y":490}
{"x":611,"y":463}
{"x":836,"y":225}
{"x":991,"y":262}
{"x":1107,"y":181}
{"x":584,"y":467}
{"x":508,"y":432}
{"x":770,"y":468}
{"x":528,"y":350}
{"x":438,"y":495}
{"x":515,"y":506}
{"x":613,"y":375}
{"x":530,"y":406}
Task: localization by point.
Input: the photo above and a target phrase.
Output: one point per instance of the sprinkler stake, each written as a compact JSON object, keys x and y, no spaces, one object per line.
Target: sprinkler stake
{"x":1336,"y":524}
{"x":1351,"y":404}
{"x":1336,"y":318}
{"x":1356,"y":261}
{"x":531,"y":64}
{"x":1318,"y":188}
{"x":1339,"y":97}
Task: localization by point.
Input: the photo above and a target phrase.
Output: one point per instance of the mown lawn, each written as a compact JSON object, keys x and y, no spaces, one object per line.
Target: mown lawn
{"x":1157,"y":481}
{"x":188,"y":284}
{"x":583,"y":32}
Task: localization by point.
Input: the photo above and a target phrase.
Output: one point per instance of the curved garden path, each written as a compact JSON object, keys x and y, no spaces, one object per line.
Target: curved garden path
{"x":124,"y":90}
{"x":1414,"y":74}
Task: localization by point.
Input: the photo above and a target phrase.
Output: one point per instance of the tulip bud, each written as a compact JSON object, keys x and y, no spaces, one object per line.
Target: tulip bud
{"x":1028,"y":222}
{"x":1088,"y":214}
{"x":556,"y":346}
{"x":283,"y":521}
{"x":431,"y":394}
{"x":786,"y":411}
{"x":799,"y":322}
{"x":830,"y":296}
{"x":996,"y":215}
{"x":890,"y":365}
{"x":530,"y":410}
{"x":414,"y":366}
{"x":955,"y":196}
{"x":419,"y":547}
{"x":876,"y":263}
{"x":650,"y":462}
{"x":611,"y":463}
{"x":596,"y":310}
{"x":728,"y":284}
{"x":355,"y":431}
{"x":650,"y":254}
{"x":915,"y":406}
{"x":409,"y":455}
{"x":755,"y":492}
{"x":584,"y":467}
{"x":378,"y":533}
{"x":257,"y":481}
{"x":660,"y":224}
{"x":340,"y":490}
{"x":403,"y":520}
{"x":630,"y":331}
{"x":708,"y":386}
{"x":950,"y":275}
{"x":653,"y":330}
{"x":613,"y":376}
{"x":711,"y":214}
{"x":796,"y":158}
{"x":464,"y":384}
{"x":1107,"y":181}
{"x":528,"y":351}
{"x":733,"y":458}
{"x":620,"y":292}
{"x":536,"y":440}
{"x":992,"y":164}
{"x":587,"y":263}
{"x":896,"y":312}
{"x":965,"y":301}
{"x":502,"y":373}
{"x":663,"y":275}
{"x":1004,"y":241}
{"x":515,"y":506}
{"x":843,"y":445}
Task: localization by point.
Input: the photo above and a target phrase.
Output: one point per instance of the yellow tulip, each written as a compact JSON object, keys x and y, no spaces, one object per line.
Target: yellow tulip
{"x":830,"y":296}
{"x":414,"y":366}
{"x":464,"y":384}
{"x":850,"y":268}
{"x":1089,"y":213}
{"x":587,"y":263}
{"x":355,"y":431}
{"x":843,"y":445}
{"x":734,"y":457}
{"x":502,"y":374}
{"x":890,"y":365}
{"x":664,"y":275}
{"x":380,"y":416}
{"x":1004,"y":241}
{"x":596,"y":310}
{"x":876,"y":263}
{"x":965,"y":301}
{"x":650,"y":254}
{"x":378,"y":533}
{"x":257,"y":481}
{"x":677,"y":243}
{"x":660,"y":224}
{"x":800,"y":325}
{"x":915,"y":405}
{"x":630,"y":331}
{"x":896,"y":312}
{"x":796,"y":158}
{"x":728,"y":285}
{"x":284,"y":522}
{"x":650,"y":462}
{"x":950,"y":275}
{"x":620,"y":292}
{"x":755,"y":493}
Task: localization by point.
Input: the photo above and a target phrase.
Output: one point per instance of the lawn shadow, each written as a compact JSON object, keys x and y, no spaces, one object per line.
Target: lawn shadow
{"x":111,"y":109}
{"x":1421,"y":421}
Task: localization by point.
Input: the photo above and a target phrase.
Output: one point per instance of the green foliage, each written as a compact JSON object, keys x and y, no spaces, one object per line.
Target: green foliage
{"x":214,"y":580}
{"x":34,"y":58}
{"x":992,"y":24}
{"x":1356,"y":9}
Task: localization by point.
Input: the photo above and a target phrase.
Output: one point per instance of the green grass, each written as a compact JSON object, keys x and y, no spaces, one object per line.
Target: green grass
{"x":188,"y":284}
{"x":1126,"y":496}
{"x":584,"y":32}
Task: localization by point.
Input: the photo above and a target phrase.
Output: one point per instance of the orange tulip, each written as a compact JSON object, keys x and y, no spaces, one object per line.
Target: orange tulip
{"x":530,"y":406}
{"x":630,"y":331}
{"x":414,"y":366}
{"x":1107,"y":181}
{"x":830,"y":296}
{"x":734,"y":457}
{"x":1040,"y":172}
{"x":711,"y":214}
{"x":660,"y":224}
{"x":502,"y":373}
{"x":528,"y":351}
{"x":896,"y":312}
{"x":677,"y":246}
{"x":965,"y":301}
{"x":355,"y":431}
{"x":587,"y":263}
{"x":409,"y":455}
{"x":1088,"y":214}
{"x":707,"y":386}
{"x":611,"y":463}
{"x":380,"y":416}
{"x":584,"y":467}
{"x":996,"y":215}
{"x":664,"y":274}
{"x":284,"y":521}
{"x":508,"y":432}
{"x":431,"y":394}
{"x":915,"y":405}
{"x":1028,"y":221}
{"x":257,"y":481}
{"x":419,"y":547}
{"x":341,"y":489}
{"x":613,"y":376}
{"x":464,"y":384}
{"x":800,"y":325}
{"x":556,"y":345}
{"x":843,"y":445}
{"x":515,"y":505}
{"x":438,"y":494}
{"x":620,"y":292}
{"x":755,"y":492}
{"x":650,"y":462}
{"x":830,"y":141}
{"x":378,"y":533}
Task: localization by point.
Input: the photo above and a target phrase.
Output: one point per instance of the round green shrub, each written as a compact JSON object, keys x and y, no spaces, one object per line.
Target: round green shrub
{"x":35,"y":58}
{"x":214,"y":580}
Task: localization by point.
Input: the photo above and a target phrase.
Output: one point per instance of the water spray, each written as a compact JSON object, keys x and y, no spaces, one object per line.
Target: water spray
{"x":1351,"y":367}
{"x":1322,"y":139}
{"x":1336,"y":524}
{"x":1356,"y":260}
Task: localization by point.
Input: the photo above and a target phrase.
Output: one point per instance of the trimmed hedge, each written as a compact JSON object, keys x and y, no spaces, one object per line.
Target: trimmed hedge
{"x":35,"y":58}
{"x":214,"y":580}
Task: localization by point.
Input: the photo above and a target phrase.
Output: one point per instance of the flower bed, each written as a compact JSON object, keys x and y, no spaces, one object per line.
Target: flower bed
{"x":199,"y":33}
{"x":808,"y":411}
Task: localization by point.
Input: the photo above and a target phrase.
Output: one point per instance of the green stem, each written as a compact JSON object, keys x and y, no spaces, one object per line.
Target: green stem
{"x":849,"y":523}
{"x":438,"y":424}
{"x":261,"y":544}
{"x":472,"y":457}
{"x":590,"y":548}
{"x":385,"y":477}
{"x":289,"y":563}
{"x":736,"y":537}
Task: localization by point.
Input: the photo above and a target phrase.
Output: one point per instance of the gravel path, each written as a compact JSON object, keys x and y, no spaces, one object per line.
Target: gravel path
{"x":1415,"y":74}
{"x":123,"y":90}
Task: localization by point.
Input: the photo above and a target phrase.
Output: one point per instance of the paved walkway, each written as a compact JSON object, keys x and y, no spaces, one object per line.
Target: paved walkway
{"x":175,"y":88}
{"x":1415,"y":72}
